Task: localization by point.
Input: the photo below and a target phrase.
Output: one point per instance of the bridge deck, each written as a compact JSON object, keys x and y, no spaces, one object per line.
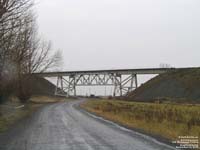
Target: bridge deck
{"x":119,"y":71}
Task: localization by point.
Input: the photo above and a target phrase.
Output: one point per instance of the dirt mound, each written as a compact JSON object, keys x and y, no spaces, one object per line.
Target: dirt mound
{"x":180,"y":85}
{"x":41,"y":86}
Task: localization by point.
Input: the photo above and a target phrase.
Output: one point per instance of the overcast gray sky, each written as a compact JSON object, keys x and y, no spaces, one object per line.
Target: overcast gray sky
{"x":105,"y":34}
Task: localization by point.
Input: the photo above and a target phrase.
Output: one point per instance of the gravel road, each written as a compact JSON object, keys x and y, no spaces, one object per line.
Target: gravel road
{"x":64,"y":126}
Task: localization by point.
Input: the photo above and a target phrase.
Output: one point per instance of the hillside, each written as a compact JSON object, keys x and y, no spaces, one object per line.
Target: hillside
{"x":41,"y":86}
{"x":179,"y":85}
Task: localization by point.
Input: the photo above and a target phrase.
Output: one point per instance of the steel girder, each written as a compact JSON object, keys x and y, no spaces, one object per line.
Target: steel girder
{"x":123,"y":83}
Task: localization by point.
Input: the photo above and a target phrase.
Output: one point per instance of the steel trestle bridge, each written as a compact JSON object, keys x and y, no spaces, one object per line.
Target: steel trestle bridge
{"x":123,"y":80}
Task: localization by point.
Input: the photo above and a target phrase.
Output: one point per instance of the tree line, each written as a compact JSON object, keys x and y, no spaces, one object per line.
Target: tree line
{"x":22,"y":51}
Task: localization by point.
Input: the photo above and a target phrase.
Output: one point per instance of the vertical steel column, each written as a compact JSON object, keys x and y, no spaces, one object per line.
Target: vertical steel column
{"x":57,"y":84}
{"x":74,"y":84}
{"x":131,"y":86}
{"x":136,"y":82}
{"x":120,"y":85}
{"x":115,"y":84}
{"x":61,"y":83}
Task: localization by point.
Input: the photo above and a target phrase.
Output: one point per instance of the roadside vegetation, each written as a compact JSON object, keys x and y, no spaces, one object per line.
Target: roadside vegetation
{"x":167,"y":120}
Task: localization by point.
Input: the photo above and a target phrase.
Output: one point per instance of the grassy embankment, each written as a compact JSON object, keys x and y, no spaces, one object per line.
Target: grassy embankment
{"x":14,"y":115}
{"x":181,"y":86}
{"x":166,"y":120}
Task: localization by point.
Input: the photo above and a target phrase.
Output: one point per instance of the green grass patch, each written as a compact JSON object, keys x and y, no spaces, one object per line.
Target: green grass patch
{"x":167,"y":120}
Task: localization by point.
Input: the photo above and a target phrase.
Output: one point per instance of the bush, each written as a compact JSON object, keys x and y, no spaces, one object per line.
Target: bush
{"x":6,"y":89}
{"x":24,"y":96}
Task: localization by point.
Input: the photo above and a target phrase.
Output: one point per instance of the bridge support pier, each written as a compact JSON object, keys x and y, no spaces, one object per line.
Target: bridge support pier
{"x":123,"y":83}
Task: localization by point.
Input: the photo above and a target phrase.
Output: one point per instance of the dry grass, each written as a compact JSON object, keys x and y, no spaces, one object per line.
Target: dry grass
{"x":47,"y":99}
{"x":167,"y":120}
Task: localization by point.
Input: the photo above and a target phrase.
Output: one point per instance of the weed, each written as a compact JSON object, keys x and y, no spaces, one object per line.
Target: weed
{"x":168,"y":120}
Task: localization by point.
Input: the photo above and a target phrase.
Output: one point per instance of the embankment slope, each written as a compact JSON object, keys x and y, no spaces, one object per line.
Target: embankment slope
{"x":179,"y":85}
{"x":41,"y":86}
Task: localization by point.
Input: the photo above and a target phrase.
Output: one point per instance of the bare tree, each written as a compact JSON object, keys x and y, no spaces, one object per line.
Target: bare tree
{"x":42,"y":60}
{"x":12,"y":13}
{"x":22,"y":52}
{"x":31,"y":54}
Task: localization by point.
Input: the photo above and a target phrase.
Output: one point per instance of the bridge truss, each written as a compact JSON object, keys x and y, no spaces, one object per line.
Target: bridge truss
{"x":122,"y":83}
